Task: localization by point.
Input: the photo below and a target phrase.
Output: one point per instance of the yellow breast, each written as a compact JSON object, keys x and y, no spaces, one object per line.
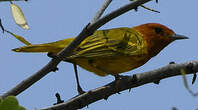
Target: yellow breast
{"x":113,"y":65}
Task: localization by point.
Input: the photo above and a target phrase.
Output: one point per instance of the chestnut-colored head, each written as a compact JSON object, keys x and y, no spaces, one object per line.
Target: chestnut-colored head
{"x":157,"y":36}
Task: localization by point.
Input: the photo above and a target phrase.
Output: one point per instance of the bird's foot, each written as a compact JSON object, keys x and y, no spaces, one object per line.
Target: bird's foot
{"x":117,"y":81}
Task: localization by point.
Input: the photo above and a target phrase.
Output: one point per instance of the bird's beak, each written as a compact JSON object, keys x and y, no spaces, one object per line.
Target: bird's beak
{"x":178,"y":37}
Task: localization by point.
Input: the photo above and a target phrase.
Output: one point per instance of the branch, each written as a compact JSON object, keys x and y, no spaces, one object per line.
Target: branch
{"x":101,"y":11}
{"x":128,"y":82}
{"x":88,"y":30}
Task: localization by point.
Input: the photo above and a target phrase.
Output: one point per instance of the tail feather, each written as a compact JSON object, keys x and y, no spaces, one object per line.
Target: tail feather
{"x":48,"y":47}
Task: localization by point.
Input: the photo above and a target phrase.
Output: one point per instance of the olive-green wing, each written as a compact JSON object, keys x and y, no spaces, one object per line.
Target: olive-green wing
{"x":109,"y":43}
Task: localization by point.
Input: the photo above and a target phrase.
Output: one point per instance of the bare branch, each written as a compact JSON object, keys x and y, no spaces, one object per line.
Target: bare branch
{"x":126,"y":83}
{"x":88,"y":30}
{"x":101,"y":11}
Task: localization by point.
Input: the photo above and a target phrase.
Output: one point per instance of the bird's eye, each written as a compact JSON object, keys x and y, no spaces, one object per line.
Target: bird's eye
{"x":158,"y":30}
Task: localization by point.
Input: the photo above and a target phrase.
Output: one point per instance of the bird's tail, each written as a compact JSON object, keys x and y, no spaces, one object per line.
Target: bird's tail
{"x":47,"y":47}
{"x":54,"y":47}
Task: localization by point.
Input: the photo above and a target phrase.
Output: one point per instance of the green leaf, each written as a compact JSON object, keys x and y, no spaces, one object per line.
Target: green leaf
{"x":10,"y":103}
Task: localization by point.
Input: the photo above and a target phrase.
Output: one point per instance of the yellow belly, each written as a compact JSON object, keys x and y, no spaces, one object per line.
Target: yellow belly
{"x":111,"y":65}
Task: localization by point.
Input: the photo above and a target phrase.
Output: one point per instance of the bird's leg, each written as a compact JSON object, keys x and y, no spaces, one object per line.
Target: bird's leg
{"x":117,"y":77}
{"x":117,"y":80}
{"x":80,"y":91}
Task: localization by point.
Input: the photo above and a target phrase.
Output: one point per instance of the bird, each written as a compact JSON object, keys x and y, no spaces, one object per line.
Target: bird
{"x":113,"y":51}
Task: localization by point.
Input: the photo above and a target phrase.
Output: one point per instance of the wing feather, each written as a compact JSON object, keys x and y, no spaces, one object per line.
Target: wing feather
{"x":114,"y":42}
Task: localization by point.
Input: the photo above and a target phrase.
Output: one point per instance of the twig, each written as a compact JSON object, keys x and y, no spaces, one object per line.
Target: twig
{"x":127,"y":83}
{"x":101,"y":11}
{"x":149,"y":9}
{"x":88,"y":30}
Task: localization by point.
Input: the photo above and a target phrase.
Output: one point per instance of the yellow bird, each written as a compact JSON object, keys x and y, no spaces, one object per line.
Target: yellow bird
{"x":113,"y":51}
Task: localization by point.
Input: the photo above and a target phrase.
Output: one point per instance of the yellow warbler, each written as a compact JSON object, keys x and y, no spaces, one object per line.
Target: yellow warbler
{"x":113,"y":51}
